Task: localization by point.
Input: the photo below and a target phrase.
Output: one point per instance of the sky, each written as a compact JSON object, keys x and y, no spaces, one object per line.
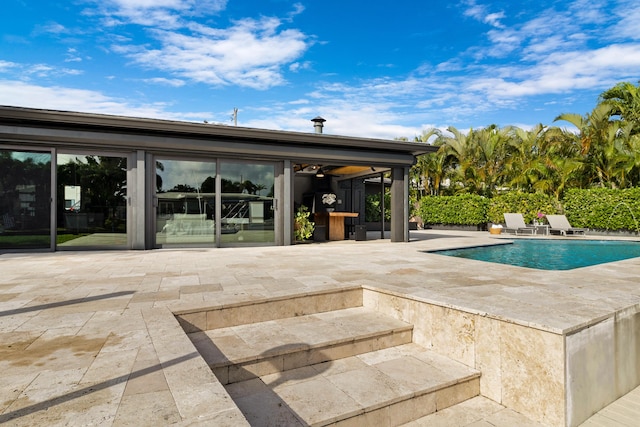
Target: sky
{"x":374,"y":69}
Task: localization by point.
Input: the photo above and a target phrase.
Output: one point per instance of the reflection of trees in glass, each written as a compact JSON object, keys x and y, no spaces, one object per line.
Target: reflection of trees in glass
{"x":25,"y":190}
{"x":245,"y":186}
{"x":208,"y":185}
{"x":184,"y":188}
{"x":159,"y":167}
{"x":229,"y":186}
{"x":103,"y":185}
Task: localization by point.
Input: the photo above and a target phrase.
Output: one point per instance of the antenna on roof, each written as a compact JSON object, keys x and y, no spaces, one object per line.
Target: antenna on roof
{"x":234,"y":116}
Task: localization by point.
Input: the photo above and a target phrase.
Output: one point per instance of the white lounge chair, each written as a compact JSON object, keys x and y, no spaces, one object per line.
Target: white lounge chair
{"x":560,"y":224}
{"x":515,"y":223}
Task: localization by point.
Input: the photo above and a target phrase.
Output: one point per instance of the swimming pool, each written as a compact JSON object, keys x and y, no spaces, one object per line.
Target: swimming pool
{"x":551,"y":254}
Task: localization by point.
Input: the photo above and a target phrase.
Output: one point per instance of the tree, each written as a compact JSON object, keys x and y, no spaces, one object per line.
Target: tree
{"x":624,"y":100}
{"x":596,"y":134}
{"x":524,"y":166}
{"x":458,"y":152}
{"x":489,"y":170}
{"x":426,"y":173}
{"x":477,"y":159}
{"x":603,"y":151}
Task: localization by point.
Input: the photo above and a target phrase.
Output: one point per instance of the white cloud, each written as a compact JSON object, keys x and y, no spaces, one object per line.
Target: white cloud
{"x":53,"y":28}
{"x":43,"y":71}
{"x":165,"y":82}
{"x":481,"y":13}
{"x":72,"y":56}
{"x":299,"y":66}
{"x":493,"y":19}
{"x":21,"y":94}
{"x":156,"y":13}
{"x":250,"y":53}
{"x":560,"y":72}
{"x":504,"y":42}
{"x":627,"y":16}
{"x":298,"y":8}
{"x":7,"y":65}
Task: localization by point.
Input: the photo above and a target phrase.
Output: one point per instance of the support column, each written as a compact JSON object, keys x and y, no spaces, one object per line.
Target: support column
{"x":136,"y":201}
{"x":383,"y":208}
{"x":399,"y":204}
{"x":284,"y":205}
{"x":150,"y":201}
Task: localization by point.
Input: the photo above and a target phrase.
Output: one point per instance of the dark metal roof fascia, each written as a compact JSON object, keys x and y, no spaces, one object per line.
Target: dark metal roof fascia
{"x":51,"y":118}
{"x":96,"y":139}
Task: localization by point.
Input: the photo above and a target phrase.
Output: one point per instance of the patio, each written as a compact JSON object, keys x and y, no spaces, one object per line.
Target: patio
{"x":91,"y":337}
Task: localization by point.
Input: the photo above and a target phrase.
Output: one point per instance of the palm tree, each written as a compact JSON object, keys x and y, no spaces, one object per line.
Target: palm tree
{"x":593,"y":127}
{"x":596,"y":136}
{"x":425,"y":174}
{"x":524,"y":167}
{"x":459,"y":155}
{"x":491,"y":144}
{"x":624,"y":100}
{"x":433,"y":171}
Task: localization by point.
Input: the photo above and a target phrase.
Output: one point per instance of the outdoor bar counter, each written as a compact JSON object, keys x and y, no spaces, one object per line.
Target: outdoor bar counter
{"x":334,"y":223}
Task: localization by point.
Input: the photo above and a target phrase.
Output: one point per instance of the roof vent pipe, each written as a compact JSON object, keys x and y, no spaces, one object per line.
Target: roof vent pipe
{"x":318,"y":123}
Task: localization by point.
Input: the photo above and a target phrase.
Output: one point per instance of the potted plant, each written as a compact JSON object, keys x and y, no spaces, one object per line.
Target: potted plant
{"x":303,"y":226}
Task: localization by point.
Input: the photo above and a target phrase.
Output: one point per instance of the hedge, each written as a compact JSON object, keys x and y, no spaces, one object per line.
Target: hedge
{"x":596,"y":209}
{"x":603,"y":208}
{"x":465,"y":209}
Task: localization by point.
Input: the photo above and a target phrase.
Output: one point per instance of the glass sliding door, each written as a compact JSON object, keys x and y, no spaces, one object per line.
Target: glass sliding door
{"x":247,"y":203}
{"x":92,"y":200}
{"x":185,"y":202}
{"x":25,"y":200}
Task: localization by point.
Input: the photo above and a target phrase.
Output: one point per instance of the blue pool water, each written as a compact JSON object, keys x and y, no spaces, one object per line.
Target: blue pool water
{"x":551,"y":254}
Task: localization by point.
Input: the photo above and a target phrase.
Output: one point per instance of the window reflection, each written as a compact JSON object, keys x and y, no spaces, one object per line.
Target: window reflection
{"x":247,"y":203}
{"x":92,"y":208}
{"x":185,"y":192}
{"x":25,"y":194}
{"x":186,"y":203}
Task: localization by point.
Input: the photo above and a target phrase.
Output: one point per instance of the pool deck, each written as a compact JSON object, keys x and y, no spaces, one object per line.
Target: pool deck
{"x":87,"y":338}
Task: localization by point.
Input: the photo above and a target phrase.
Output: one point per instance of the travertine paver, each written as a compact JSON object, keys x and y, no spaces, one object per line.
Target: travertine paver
{"x":338,"y":389}
{"x":245,"y":343}
{"x":66,"y":318}
{"x":476,"y":412}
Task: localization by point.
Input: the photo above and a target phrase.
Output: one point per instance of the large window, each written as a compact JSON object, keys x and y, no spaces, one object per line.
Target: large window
{"x":191,"y":210}
{"x":25,"y":196}
{"x":185,"y":194}
{"x":247,"y":214}
{"x":92,"y":201}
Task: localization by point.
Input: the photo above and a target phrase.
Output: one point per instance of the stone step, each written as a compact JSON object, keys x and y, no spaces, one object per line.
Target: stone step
{"x":248,"y":351}
{"x":478,"y":411}
{"x":387,"y":387}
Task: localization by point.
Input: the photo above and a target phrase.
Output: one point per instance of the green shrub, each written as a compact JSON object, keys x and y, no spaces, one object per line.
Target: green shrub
{"x":595,"y":208}
{"x":464,"y":209}
{"x":603,"y":208}
{"x":528,"y":204}
{"x":372,"y":207}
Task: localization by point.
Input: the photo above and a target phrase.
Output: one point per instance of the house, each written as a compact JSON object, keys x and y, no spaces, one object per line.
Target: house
{"x":72,"y":180}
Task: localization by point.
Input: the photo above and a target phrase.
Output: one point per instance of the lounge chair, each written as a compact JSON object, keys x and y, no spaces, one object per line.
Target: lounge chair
{"x":515,"y":223}
{"x":559,"y":224}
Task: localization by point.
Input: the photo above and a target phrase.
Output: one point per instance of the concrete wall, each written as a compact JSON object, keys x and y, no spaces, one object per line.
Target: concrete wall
{"x":602,"y":364}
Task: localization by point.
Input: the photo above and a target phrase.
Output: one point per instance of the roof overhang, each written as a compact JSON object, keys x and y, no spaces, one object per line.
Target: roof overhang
{"x":118,"y":132}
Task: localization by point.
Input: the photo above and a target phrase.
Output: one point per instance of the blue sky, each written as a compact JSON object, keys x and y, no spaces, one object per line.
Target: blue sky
{"x":371,"y":68}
